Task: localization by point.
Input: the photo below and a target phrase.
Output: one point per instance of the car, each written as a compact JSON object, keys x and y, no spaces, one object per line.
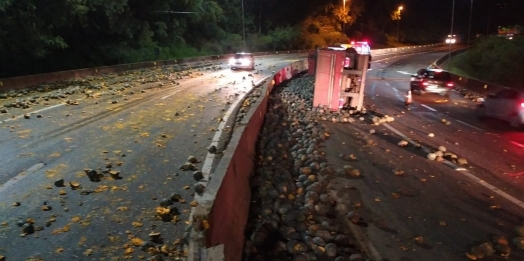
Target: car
{"x":242,"y":61}
{"x":432,"y":81}
{"x":507,"y":105}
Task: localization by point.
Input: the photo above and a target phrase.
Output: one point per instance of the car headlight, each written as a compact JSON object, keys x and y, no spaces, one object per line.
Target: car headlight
{"x":244,"y":61}
{"x":232,"y":61}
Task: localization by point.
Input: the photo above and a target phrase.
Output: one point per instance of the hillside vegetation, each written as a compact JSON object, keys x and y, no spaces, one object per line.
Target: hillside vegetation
{"x":38,"y":36}
{"x":494,"y":59}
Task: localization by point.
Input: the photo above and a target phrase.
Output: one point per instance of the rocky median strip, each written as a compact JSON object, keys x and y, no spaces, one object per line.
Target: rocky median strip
{"x":294,"y":214}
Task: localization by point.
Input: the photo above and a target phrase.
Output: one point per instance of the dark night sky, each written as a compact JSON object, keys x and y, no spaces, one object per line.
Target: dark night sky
{"x":421,"y":14}
{"x":487,"y":15}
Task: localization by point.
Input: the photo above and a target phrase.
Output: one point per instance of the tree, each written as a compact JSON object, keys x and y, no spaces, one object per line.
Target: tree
{"x":324,"y":27}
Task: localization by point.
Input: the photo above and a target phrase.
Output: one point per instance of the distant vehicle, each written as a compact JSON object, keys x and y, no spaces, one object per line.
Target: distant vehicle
{"x":507,"y":105}
{"x":452,"y":39}
{"x":242,"y":61}
{"x":431,"y":81}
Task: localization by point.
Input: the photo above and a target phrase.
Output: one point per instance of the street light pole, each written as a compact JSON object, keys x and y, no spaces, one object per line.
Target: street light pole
{"x":344,"y":8}
{"x":243,"y":28}
{"x":451,"y":32}
{"x":470,"y":16}
{"x":399,"y":11}
{"x":398,"y":28}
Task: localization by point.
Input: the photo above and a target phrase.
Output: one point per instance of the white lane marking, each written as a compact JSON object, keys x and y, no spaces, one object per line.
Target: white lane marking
{"x":469,"y":125}
{"x":37,"y":111}
{"x":395,"y":89}
{"x":462,"y":170}
{"x":169,"y":95}
{"x":403,"y":72}
{"x":387,"y":83}
{"x":49,"y":108}
{"x":494,"y":189}
{"x":515,"y":174}
{"x":427,"y":107}
{"x":517,"y":144}
{"x":20,"y":176}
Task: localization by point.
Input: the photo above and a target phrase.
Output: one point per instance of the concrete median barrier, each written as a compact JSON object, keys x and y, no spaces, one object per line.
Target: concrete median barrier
{"x":219,"y":219}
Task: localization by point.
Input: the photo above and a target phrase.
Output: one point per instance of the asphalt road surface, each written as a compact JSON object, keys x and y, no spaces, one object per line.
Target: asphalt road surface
{"x":416,"y":209}
{"x":142,"y":125}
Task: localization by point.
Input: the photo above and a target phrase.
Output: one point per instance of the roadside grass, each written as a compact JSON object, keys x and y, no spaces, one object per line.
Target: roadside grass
{"x":455,"y":68}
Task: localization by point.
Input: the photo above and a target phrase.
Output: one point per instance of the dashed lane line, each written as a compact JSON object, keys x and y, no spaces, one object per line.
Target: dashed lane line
{"x":20,"y":176}
{"x":37,"y":111}
{"x":469,"y":125}
{"x":517,"y":144}
{"x":427,"y":107}
{"x":462,"y":171}
{"x":171,"y":94}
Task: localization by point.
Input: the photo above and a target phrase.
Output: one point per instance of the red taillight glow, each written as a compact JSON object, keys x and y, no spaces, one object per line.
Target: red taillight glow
{"x":522,"y":105}
{"x":425,"y":83}
{"x":450,"y":84}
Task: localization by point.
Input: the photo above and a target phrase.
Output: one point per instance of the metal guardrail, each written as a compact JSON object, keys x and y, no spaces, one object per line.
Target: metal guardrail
{"x":27,"y":81}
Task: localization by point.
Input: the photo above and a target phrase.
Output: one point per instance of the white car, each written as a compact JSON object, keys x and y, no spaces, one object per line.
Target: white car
{"x":242,"y":61}
{"x":507,"y":105}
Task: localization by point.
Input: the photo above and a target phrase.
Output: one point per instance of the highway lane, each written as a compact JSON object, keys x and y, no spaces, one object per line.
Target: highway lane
{"x":430,"y":211}
{"x":143,"y":124}
{"x":468,"y":136}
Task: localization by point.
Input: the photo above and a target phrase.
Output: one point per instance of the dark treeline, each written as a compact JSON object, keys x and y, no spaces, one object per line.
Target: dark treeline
{"x":38,"y":36}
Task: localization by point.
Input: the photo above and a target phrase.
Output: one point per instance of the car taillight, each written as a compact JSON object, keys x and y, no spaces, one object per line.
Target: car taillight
{"x":425,"y":83}
{"x":522,"y":105}
{"x":450,"y":84}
